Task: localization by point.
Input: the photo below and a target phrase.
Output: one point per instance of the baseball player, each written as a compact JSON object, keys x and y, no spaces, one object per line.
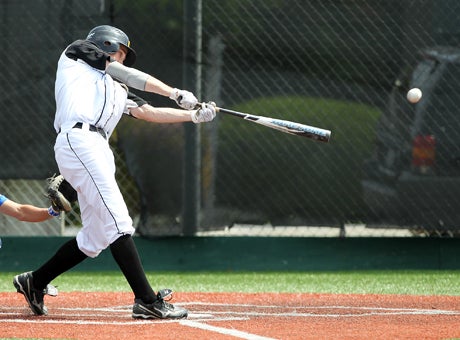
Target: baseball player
{"x":26,"y":212}
{"x":92,"y":93}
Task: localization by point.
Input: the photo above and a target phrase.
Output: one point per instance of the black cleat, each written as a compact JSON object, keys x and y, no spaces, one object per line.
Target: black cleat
{"x":34,"y":297}
{"x":159,"y":309}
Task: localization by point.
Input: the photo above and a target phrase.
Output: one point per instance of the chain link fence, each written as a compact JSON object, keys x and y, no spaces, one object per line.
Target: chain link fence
{"x":344,"y":66}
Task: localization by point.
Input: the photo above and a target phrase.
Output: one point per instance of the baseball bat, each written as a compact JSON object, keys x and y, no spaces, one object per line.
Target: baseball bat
{"x":285,"y":126}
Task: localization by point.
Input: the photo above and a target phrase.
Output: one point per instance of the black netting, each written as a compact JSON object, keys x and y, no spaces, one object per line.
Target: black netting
{"x":340,"y":65}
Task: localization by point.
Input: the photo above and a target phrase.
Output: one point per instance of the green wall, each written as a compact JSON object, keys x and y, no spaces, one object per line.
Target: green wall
{"x":252,"y":254}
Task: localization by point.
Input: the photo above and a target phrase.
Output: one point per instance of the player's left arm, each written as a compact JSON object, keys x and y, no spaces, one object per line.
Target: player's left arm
{"x":142,"y":81}
{"x":25,"y":212}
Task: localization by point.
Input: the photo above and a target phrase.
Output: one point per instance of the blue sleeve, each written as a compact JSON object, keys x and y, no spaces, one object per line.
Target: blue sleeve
{"x":2,"y":199}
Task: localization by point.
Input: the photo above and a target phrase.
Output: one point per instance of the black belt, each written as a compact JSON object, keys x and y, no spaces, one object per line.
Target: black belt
{"x":92,"y":128}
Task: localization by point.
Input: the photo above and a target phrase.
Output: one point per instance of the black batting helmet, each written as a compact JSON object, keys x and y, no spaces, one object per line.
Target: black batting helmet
{"x":109,"y":39}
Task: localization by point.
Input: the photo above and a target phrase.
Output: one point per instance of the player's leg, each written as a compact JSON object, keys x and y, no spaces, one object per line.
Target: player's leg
{"x":106,"y":221}
{"x":67,"y":257}
{"x":125,"y":253}
{"x":34,"y":285}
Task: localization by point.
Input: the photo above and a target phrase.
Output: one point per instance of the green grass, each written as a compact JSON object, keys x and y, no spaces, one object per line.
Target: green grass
{"x":359,"y":282}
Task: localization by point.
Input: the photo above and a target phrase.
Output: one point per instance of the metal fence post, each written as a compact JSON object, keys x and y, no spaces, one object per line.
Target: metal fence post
{"x":192,"y":55}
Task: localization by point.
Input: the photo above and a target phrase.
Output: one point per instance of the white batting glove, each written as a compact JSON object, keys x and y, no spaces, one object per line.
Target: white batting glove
{"x":205,"y":114}
{"x":184,"y":99}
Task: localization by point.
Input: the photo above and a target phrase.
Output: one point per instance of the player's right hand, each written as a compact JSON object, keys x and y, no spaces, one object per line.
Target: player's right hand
{"x":206,"y":113}
{"x":184,"y":99}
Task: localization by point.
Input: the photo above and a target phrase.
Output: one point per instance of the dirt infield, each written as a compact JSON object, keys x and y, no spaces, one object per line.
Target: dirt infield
{"x":235,"y":315}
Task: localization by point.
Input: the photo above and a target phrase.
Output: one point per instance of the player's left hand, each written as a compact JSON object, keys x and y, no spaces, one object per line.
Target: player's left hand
{"x":60,"y":193}
{"x":184,"y":99}
{"x":206,"y":113}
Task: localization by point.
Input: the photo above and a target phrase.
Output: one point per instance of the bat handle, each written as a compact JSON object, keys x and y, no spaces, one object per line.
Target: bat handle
{"x":199,"y":105}
{"x":230,"y":112}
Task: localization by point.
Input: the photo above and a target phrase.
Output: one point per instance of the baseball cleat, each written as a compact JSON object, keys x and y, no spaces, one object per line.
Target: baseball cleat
{"x":34,"y":297}
{"x":159,"y":309}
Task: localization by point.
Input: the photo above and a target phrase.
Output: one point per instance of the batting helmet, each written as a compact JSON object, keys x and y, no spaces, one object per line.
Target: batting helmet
{"x":109,"y":39}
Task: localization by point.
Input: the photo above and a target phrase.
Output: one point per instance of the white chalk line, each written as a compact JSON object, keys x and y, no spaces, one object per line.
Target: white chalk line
{"x":36,"y":320}
{"x":291,"y":311}
{"x":221,"y":330}
{"x":199,"y":318}
{"x":312,"y":307}
{"x":121,"y":311}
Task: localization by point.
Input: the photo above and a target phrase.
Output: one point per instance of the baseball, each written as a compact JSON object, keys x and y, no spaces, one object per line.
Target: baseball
{"x":414,"y":95}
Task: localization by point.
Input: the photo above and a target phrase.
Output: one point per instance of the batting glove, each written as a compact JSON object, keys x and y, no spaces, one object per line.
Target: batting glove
{"x":205,"y":114}
{"x":184,"y":99}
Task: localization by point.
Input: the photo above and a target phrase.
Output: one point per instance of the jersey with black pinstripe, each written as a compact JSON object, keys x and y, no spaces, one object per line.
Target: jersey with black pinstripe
{"x":89,"y":101}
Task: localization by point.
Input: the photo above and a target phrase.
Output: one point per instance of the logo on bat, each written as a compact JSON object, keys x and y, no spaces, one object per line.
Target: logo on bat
{"x":299,"y":128}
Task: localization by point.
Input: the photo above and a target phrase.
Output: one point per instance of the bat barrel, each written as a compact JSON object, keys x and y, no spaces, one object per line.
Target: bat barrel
{"x":298,"y":129}
{"x":317,"y":134}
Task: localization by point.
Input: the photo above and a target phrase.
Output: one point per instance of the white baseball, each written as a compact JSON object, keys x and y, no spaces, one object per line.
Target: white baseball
{"x":414,"y":95}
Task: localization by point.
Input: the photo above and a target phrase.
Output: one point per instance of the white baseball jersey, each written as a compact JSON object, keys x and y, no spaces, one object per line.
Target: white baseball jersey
{"x":88,"y":98}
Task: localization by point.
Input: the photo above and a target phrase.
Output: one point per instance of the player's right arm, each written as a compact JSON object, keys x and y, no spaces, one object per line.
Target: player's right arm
{"x":139,"y":108}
